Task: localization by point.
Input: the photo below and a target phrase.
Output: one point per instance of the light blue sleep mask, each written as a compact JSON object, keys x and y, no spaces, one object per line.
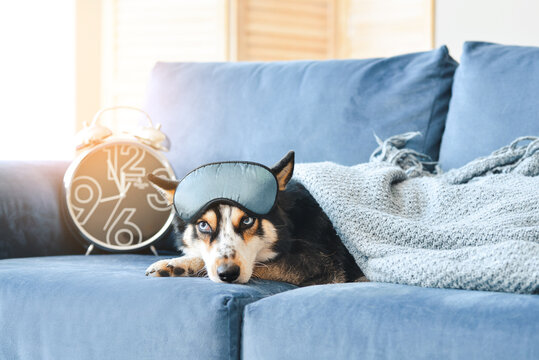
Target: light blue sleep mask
{"x":250,"y":186}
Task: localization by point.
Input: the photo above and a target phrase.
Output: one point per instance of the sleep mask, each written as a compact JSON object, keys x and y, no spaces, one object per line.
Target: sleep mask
{"x":250,"y":186}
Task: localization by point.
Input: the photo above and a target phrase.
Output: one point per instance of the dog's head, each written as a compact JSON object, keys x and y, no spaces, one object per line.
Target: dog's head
{"x":230,"y":239}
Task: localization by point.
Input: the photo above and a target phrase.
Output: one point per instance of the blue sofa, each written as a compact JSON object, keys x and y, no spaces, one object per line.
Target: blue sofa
{"x":56,"y":303}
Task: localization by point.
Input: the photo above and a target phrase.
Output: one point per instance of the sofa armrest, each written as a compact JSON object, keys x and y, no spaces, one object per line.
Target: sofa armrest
{"x":31,"y":220}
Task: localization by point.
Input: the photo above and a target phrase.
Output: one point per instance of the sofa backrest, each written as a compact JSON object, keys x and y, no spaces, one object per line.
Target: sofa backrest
{"x":324,"y":110}
{"x":31,"y":214}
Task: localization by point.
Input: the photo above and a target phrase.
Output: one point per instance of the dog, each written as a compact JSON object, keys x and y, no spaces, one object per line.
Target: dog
{"x":294,"y":242}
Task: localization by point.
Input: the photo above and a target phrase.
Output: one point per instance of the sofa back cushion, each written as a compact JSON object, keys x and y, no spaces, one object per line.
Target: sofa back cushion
{"x":31,"y":214}
{"x":324,"y":110}
{"x":495,"y":100}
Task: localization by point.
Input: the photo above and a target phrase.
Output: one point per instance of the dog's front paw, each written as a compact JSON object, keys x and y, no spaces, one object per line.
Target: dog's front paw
{"x":159,"y":268}
{"x":182,"y":266}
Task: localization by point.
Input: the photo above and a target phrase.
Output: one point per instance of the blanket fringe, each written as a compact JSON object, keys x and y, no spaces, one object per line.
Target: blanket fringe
{"x":519,"y":156}
{"x":393,"y":151}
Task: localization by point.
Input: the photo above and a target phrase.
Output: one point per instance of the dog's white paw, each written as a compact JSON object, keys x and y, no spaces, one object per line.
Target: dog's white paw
{"x":182,"y":266}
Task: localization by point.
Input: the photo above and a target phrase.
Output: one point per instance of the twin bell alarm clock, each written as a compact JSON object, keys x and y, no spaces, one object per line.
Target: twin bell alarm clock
{"x":109,"y":200}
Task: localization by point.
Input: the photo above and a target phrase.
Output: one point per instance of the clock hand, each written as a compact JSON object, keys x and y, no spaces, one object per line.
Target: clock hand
{"x":110,"y":198}
{"x":115,"y":176}
{"x":126,"y":188}
{"x":113,"y":212}
{"x":122,"y":178}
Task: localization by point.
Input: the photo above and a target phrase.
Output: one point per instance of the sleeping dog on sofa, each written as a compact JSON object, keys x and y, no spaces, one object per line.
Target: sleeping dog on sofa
{"x":237,"y":220}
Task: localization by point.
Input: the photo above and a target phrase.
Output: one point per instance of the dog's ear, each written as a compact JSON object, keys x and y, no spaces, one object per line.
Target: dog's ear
{"x":165,"y":186}
{"x":284,"y":169}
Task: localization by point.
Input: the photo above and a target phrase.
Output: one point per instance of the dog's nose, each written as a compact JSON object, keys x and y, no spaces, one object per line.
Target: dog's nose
{"x":228,"y":272}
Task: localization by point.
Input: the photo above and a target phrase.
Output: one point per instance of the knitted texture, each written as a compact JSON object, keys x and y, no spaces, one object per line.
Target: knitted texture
{"x":476,"y":227}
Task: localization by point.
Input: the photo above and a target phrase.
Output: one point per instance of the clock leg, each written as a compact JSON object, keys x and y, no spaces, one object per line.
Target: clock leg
{"x":89,"y":250}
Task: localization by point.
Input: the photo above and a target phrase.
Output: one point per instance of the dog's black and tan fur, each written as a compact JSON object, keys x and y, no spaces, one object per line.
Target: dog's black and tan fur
{"x":295,"y":242}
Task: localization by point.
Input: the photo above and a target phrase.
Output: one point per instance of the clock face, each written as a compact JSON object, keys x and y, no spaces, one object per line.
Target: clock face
{"x":111,"y":200}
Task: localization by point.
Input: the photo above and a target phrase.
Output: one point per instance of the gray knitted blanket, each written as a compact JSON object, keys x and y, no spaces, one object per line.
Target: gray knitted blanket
{"x":476,"y":227}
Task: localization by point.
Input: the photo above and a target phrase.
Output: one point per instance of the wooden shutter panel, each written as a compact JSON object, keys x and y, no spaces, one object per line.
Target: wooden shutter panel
{"x":284,"y":30}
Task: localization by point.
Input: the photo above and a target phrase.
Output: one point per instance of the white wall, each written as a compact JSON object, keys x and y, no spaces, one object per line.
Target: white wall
{"x":511,"y":22}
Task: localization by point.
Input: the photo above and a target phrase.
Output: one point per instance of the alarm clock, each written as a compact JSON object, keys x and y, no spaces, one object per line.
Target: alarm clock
{"x":108,"y":198}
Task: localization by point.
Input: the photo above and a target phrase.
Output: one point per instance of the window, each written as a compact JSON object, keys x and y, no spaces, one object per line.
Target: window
{"x":37,"y":79}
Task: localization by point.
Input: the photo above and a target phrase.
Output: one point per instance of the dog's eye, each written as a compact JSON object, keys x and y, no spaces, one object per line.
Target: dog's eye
{"x":247,"y":221}
{"x":204,"y":227}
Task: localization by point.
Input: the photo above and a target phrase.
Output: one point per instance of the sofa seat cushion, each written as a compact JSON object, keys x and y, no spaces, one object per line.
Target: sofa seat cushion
{"x":494,"y":101}
{"x":103,"y":307}
{"x":324,"y":110}
{"x":388,"y":321}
